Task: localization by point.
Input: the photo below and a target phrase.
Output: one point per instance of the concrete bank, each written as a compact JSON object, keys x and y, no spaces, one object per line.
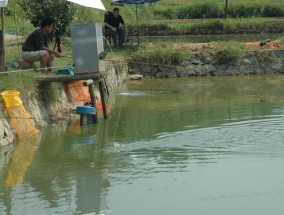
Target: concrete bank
{"x":206,"y":63}
{"x":51,"y":103}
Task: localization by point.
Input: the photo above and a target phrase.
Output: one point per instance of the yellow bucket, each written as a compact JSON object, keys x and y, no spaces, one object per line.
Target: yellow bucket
{"x":11,"y":98}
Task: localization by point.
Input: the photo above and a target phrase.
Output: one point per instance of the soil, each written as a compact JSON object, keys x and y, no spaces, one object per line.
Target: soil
{"x":197,"y":47}
{"x":268,"y":45}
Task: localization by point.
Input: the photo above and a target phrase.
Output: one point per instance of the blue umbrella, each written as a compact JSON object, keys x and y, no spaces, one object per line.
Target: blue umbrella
{"x":133,"y":1}
{"x":136,"y":2}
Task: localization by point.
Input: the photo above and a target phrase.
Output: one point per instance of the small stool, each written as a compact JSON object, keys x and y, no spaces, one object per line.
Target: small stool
{"x":25,"y":64}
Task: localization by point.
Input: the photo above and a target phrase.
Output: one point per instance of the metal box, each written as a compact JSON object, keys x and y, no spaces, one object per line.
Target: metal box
{"x":87,"y":45}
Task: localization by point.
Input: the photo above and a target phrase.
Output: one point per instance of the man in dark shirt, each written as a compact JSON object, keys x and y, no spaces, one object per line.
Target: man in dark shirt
{"x":35,"y":48}
{"x":112,"y":26}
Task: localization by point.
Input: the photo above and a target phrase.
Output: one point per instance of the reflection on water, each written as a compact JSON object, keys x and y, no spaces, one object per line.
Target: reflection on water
{"x":204,"y":145}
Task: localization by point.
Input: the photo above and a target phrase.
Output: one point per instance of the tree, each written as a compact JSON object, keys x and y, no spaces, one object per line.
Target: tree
{"x":61,"y":11}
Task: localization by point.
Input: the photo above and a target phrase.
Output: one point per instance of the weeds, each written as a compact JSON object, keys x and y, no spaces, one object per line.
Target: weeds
{"x":23,"y":82}
{"x":210,"y":26}
{"x":163,"y":56}
{"x":229,"y":51}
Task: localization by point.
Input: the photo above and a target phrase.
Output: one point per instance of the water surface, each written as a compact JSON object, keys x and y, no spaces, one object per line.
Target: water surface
{"x":172,"y":146}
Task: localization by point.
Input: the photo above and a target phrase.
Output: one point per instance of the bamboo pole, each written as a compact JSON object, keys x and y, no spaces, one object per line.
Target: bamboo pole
{"x":2,"y":43}
{"x":226,"y":9}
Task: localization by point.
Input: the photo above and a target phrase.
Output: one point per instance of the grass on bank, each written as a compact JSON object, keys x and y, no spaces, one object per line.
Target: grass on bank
{"x":229,"y":51}
{"x":161,"y":55}
{"x":210,"y":26}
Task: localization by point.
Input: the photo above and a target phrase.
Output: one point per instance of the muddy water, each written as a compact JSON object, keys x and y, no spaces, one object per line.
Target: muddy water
{"x":175,"y":146}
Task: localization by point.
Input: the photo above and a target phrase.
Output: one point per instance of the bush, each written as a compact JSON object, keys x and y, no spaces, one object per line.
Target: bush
{"x":167,"y":13}
{"x":162,"y":56}
{"x":229,"y":51}
{"x":215,"y":9}
{"x":201,"y":10}
{"x":212,"y":27}
{"x":273,"y":11}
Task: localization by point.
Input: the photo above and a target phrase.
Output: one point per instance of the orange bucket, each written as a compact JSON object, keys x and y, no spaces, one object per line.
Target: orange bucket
{"x":100,"y":106}
{"x":76,"y":92}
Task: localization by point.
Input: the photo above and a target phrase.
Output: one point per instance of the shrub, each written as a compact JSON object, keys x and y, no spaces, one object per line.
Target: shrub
{"x":272,"y":11}
{"x":62,"y":12}
{"x":229,"y":51}
{"x":163,"y":56}
{"x":168,"y":13}
{"x":201,"y":10}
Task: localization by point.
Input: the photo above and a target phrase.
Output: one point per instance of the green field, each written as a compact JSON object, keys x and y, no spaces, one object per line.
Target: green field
{"x":159,"y":12}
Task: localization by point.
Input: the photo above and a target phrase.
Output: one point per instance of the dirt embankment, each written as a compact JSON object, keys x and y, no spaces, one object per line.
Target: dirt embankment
{"x":264,"y":45}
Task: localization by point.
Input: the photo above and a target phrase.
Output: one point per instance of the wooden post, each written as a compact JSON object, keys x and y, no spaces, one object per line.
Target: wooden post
{"x":103,"y":97}
{"x":2,"y":43}
{"x":226,"y":9}
{"x":137,"y":25}
{"x":90,"y":84}
{"x":93,"y":101}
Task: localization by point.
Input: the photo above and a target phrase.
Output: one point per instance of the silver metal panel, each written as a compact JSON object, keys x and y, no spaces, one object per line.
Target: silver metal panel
{"x":87,"y":44}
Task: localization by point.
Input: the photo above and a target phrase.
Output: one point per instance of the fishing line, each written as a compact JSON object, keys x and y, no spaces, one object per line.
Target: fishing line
{"x":117,"y":124}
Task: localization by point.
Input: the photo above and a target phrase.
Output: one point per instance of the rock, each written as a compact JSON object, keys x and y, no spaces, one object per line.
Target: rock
{"x":4,"y":142}
{"x":232,"y":70}
{"x":172,"y":74}
{"x":205,"y":70}
{"x":246,"y":61}
{"x":191,"y":70}
{"x":160,"y":75}
{"x":6,"y":134}
{"x":182,"y":74}
{"x":221,"y":70}
{"x":1,"y":128}
{"x":135,"y":77}
{"x":208,"y":60}
{"x":195,"y":61}
{"x":277,"y":66}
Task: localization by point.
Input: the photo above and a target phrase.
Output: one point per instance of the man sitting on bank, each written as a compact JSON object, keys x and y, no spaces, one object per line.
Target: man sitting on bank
{"x":35,"y":48}
{"x":112,"y":26}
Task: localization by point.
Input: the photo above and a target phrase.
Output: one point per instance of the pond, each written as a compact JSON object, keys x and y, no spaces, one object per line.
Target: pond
{"x":170,"y":146}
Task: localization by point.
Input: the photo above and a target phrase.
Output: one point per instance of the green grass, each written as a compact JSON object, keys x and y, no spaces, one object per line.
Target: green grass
{"x":229,"y":51}
{"x":149,"y":16}
{"x":23,"y":82}
{"x":161,"y":54}
{"x":16,"y":20}
{"x":172,"y":9}
{"x":210,"y":26}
